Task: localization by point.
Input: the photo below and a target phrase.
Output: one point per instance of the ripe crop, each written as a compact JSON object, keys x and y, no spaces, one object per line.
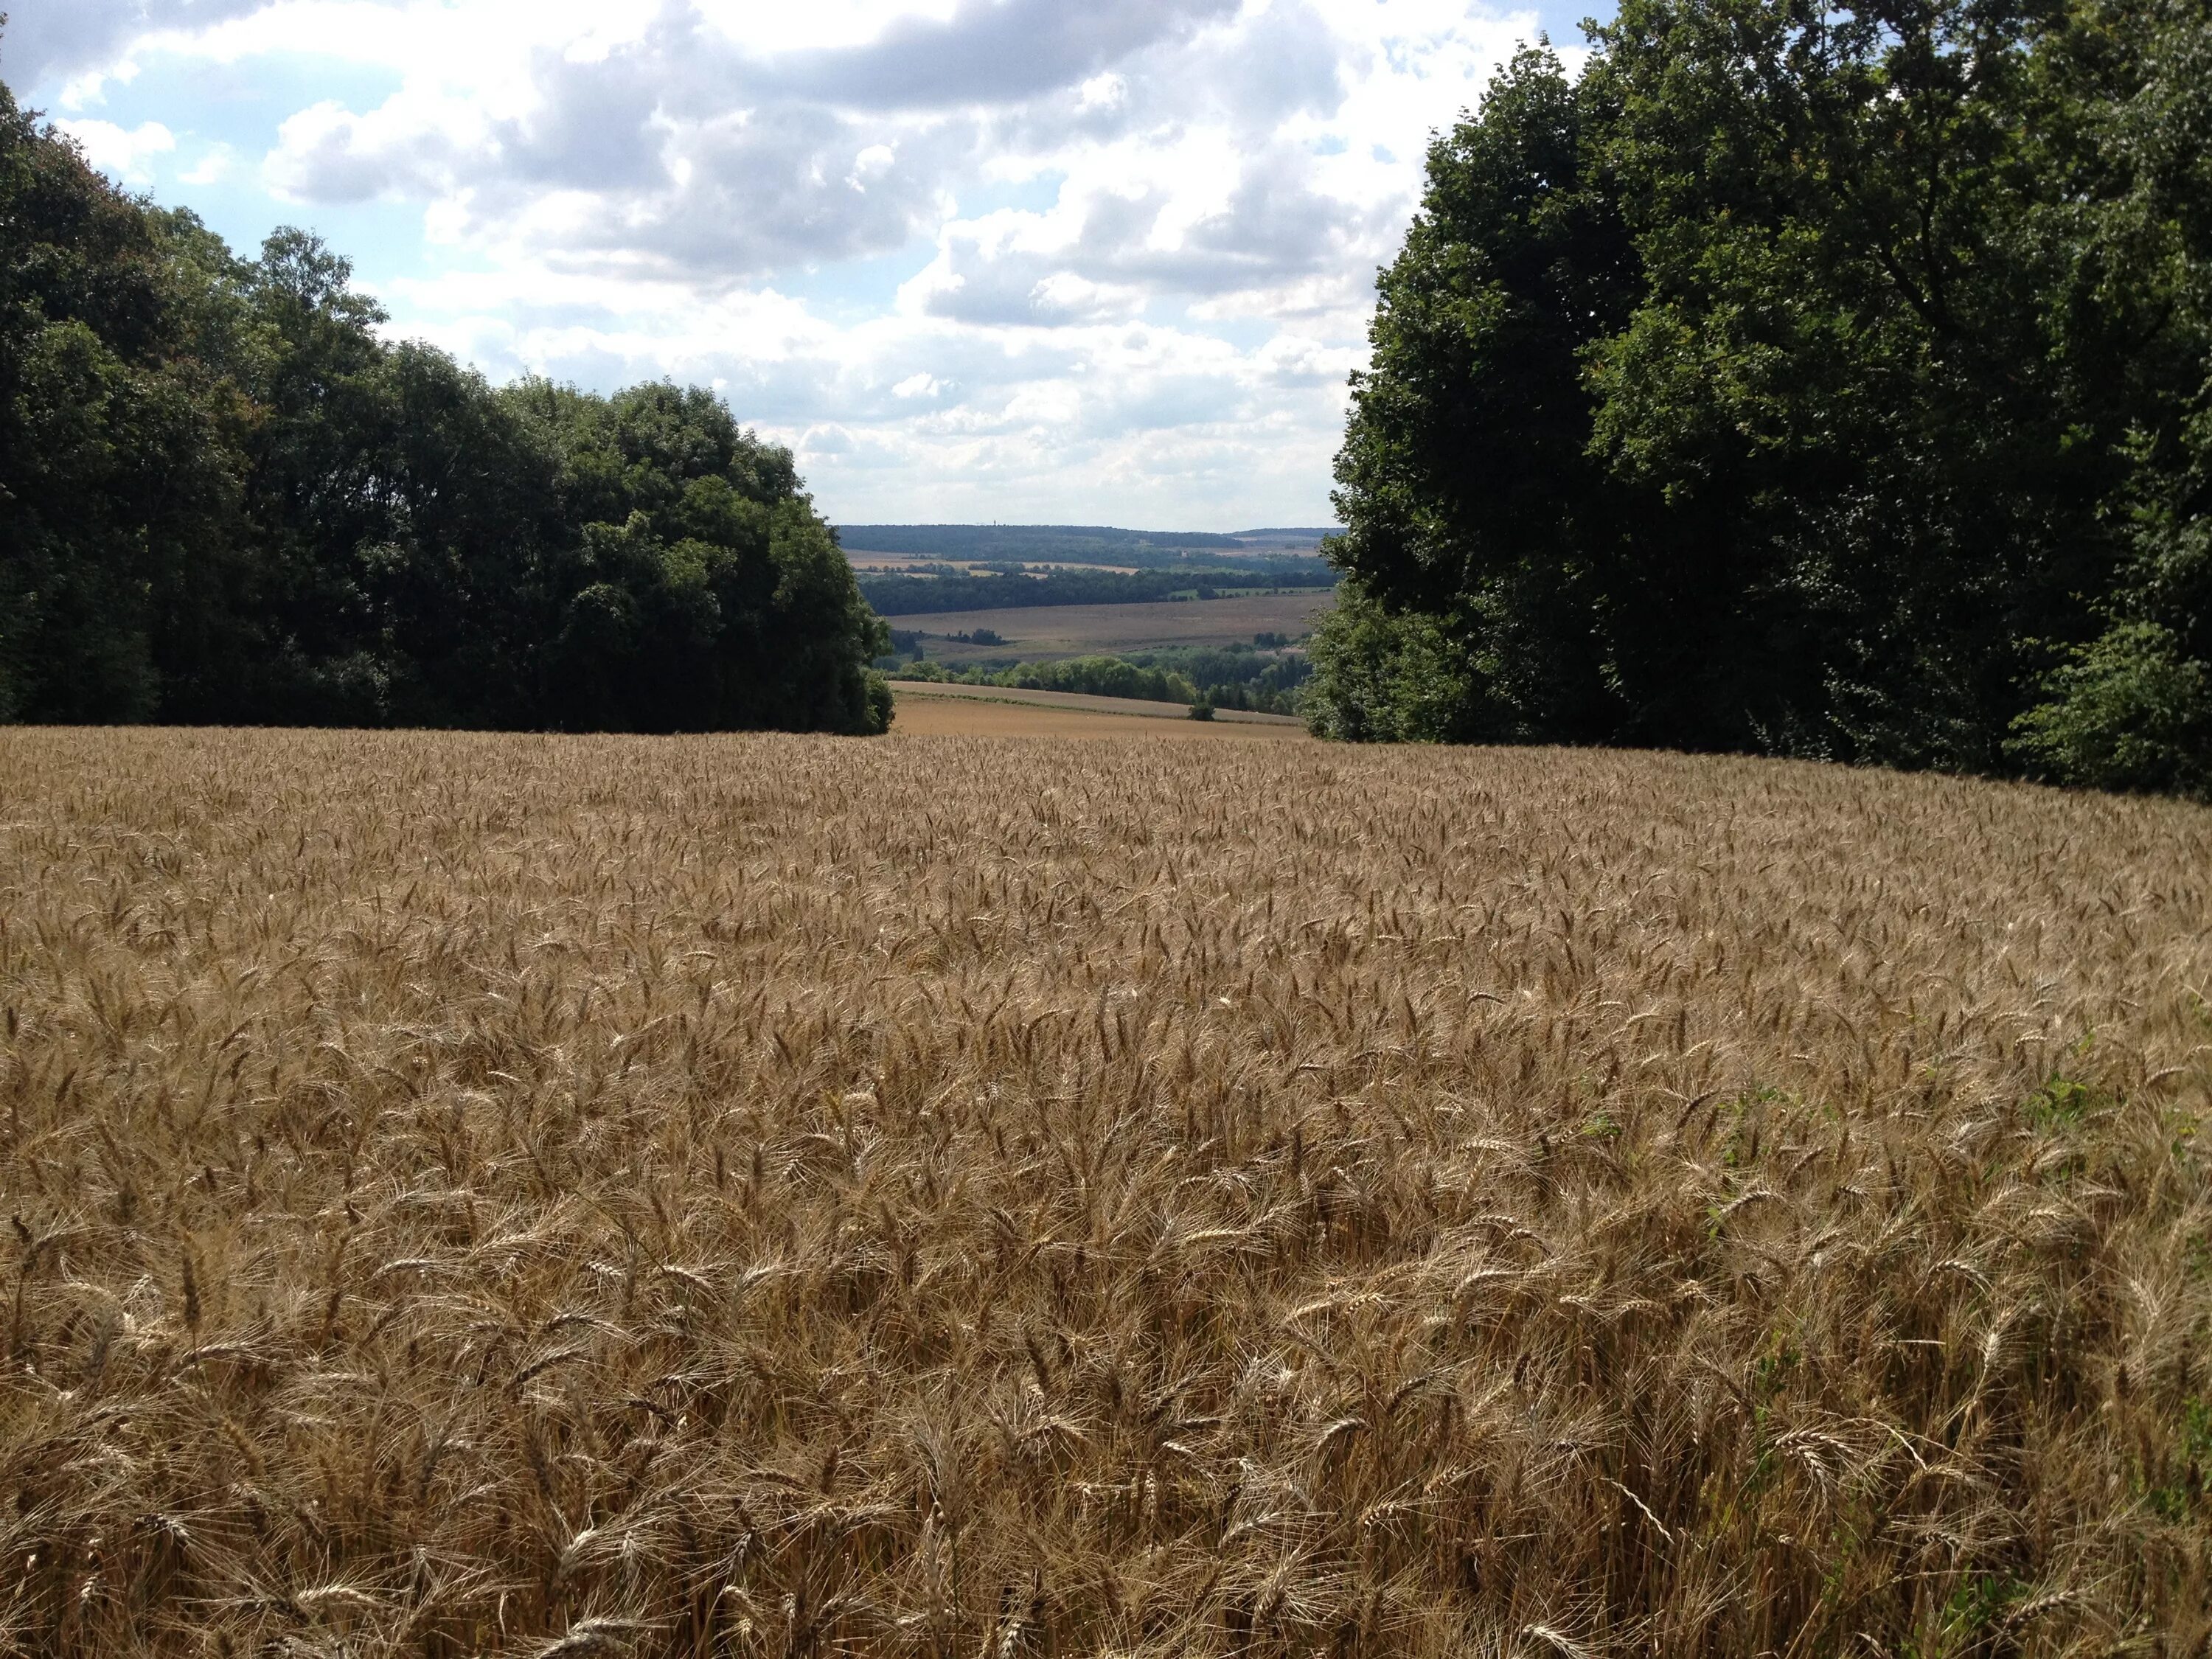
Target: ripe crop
{"x":956,"y":1196}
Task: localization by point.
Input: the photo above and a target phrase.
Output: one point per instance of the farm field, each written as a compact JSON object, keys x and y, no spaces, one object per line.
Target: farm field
{"x":928,"y":702}
{"x":969,"y":1195}
{"x":1042,"y":632}
{"x":860,"y":559}
{"x":965,"y":717}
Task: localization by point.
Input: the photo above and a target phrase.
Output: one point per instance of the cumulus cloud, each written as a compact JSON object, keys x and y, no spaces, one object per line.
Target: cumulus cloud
{"x":217,"y":163}
{"x":1122,"y":250}
{"x":71,"y":37}
{"x":991,"y":51}
{"x":325,"y":153}
{"x":127,"y":155}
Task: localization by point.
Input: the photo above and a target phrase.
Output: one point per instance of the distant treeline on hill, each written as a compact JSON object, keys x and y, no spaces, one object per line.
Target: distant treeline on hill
{"x":1098,"y":677}
{"x":1069,"y":543}
{"x":1228,"y":677}
{"x":224,"y":499}
{"x":910,"y":596}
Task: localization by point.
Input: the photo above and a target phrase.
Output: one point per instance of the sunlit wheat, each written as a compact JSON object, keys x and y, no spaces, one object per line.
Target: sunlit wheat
{"x":770,"y":1195}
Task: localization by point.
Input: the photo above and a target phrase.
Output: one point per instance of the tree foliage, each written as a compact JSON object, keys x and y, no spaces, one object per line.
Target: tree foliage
{"x":1830,"y":381}
{"x":224,"y":497}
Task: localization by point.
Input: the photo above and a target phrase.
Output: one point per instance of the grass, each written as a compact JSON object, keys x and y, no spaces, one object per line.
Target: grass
{"x":1042,"y":632}
{"x":982,"y":1196}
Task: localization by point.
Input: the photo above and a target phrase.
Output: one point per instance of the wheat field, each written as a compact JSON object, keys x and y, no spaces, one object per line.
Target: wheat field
{"x":992,"y":1197}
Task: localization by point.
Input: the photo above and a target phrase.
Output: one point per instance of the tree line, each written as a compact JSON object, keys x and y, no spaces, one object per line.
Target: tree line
{"x":1805,"y":380}
{"x":1233,"y":676}
{"x":1098,"y":677}
{"x":225,"y":498}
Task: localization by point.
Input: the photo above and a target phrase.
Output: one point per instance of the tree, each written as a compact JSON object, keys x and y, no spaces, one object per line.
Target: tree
{"x":1392,"y":676}
{"x":114,"y":480}
{"x":223,"y":497}
{"x":2133,"y":708}
{"x":1802,"y":379}
{"x":1466,"y":485}
{"x":1844,"y":380}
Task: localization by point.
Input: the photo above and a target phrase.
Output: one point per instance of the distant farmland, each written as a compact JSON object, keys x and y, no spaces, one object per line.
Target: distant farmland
{"x":912,"y":693}
{"x":1043,"y":632}
{"x":974,"y":711}
{"x":876,"y":564}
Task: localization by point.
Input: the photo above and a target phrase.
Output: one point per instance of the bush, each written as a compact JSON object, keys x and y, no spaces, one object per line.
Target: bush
{"x":2130,"y":712}
{"x":1384,"y":676}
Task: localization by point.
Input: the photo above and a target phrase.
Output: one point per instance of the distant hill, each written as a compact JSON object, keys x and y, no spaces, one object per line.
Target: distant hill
{"x":1068,"y":543}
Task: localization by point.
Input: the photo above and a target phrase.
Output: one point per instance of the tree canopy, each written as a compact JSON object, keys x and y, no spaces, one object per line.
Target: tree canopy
{"x":1804,"y":380}
{"x":224,"y":496}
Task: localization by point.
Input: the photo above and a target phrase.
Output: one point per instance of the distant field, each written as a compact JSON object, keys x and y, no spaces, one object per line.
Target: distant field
{"x":1306,"y":540}
{"x":860,"y":559}
{"x":924,"y":707}
{"x":928,"y":712}
{"x":1043,"y":632}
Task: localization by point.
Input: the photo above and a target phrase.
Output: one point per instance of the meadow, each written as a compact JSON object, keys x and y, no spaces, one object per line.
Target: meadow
{"x":972,"y":1196}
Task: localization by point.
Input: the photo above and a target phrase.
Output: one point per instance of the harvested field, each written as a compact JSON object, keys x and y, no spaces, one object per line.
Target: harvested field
{"x":958,"y":1196}
{"x":1043,"y":632}
{"x":1016,"y":716}
{"x":914,"y":694}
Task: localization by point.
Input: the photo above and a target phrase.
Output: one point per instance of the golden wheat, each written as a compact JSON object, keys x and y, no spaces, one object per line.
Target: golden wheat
{"x":772,"y":1195}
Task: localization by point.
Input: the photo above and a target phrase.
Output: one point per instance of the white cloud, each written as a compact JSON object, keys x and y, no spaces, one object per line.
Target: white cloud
{"x":89,"y":91}
{"x":1113,"y":259}
{"x":1103,"y":92}
{"x":217,"y":162}
{"x":126,"y":155}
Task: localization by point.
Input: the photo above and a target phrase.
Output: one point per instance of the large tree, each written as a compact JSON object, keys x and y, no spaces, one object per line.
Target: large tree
{"x":116,"y":481}
{"x":1473,"y":506}
{"x":1881,"y":398}
{"x":225,"y":496}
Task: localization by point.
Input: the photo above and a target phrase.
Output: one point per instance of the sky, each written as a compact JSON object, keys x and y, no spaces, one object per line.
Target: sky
{"x":1030,"y":261}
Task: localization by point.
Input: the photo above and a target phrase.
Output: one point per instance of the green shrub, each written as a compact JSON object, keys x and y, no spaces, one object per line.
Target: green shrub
{"x":2130,"y":712}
